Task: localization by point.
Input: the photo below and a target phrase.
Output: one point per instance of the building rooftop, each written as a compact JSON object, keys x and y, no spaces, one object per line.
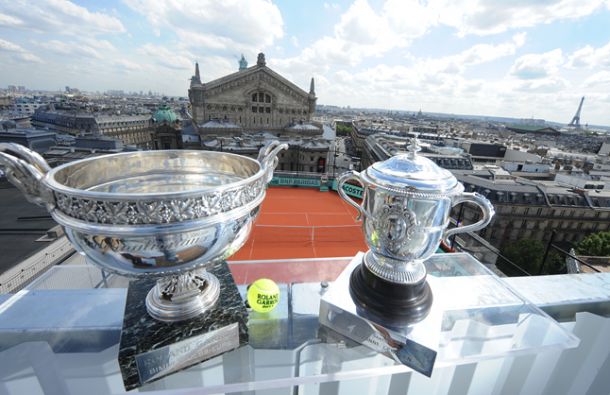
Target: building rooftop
{"x":165,"y":114}
{"x":21,"y":224}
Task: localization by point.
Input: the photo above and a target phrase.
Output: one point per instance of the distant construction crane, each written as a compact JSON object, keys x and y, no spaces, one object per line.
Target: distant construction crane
{"x":575,"y":122}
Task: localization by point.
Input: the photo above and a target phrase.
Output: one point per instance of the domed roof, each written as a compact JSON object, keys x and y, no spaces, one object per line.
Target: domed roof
{"x":165,"y":114}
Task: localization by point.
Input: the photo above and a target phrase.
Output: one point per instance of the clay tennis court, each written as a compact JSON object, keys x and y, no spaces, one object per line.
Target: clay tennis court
{"x":303,"y":223}
{"x":296,"y":226}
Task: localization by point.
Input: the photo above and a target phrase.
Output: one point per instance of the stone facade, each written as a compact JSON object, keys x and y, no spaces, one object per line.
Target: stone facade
{"x":130,"y":129}
{"x":253,"y":98}
{"x":528,"y":209}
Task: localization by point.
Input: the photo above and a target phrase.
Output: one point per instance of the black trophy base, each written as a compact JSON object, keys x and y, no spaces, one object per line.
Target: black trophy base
{"x":151,"y":349}
{"x":398,"y":304}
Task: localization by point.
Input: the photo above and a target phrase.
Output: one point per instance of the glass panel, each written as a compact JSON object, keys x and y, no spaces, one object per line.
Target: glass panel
{"x":483,"y":318}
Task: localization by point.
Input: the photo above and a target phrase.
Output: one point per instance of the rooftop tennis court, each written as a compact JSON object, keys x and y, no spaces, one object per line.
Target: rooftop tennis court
{"x":303,"y":223}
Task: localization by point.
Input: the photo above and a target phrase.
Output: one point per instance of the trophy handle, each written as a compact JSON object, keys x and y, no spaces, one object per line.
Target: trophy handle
{"x":267,"y":157}
{"x":349,"y":175}
{"x":26,"y":169}
{"x":483,"y":203}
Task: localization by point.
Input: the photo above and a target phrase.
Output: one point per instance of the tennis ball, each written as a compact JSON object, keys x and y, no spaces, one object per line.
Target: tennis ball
{"x":374,"y":237}
{"x":263,"y":295}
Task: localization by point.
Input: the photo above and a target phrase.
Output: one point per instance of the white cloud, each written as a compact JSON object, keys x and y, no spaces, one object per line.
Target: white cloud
{"x":20,"y":52}
{"x":86,"y":48}
{"x":7,"y":20}
{"x":477,"y":54}
{"x":597,"y":79}
{"x":127,"y":65}
{"x":544,"y":85}
{"x":166,"y":57}
{"x":9,"y":46}
{"x":484,"y":17}
{"x":189,"y":39}
{"x":61,"y":17}
{"x":247,"y":24}
{"x":362,"y":33}
{"x":533,"y":66}
{"x":590,"y":57}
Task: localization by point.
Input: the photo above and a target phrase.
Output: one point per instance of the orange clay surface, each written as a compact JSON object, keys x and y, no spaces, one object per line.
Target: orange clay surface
{"x":299,"y":223}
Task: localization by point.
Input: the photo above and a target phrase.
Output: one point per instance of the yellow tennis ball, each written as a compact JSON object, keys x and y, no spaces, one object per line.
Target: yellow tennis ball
{"x":263,"y":295}
{"x":374,"y":237}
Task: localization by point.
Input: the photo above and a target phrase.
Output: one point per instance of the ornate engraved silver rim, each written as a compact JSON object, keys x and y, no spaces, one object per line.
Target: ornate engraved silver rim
{"x":159,"y":211}
{"x":457,"y":190}
{"x":159,"y":208}
{"x":153,"y":228}
{"x":59,"y":187}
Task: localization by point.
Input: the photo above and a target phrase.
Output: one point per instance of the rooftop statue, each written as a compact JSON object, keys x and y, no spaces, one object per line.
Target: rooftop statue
{"x":260,"y":61}
{"x":243,"y":63}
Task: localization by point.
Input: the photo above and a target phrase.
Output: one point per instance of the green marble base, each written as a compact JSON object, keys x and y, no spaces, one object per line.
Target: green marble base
{"x":151,"y":349}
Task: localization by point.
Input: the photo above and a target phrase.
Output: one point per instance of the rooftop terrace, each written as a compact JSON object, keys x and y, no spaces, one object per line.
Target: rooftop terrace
{"x":60,"y":334}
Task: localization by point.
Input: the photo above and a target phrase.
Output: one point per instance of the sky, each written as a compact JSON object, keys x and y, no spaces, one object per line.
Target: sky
{"x":514,"y":58}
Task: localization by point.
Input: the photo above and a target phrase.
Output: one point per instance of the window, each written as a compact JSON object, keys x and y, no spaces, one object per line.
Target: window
{"x":254,"y":97}
{"x":260,"y":97}
{"x":253,"y":109}
{"x":268,"y":110}
{"x":267,"y":99}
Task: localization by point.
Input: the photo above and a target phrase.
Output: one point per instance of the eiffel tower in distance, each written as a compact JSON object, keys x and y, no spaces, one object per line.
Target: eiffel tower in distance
{"x":575,"y":122}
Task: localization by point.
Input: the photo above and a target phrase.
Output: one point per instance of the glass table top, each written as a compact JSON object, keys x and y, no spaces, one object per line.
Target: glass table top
{"x":76,"y":331}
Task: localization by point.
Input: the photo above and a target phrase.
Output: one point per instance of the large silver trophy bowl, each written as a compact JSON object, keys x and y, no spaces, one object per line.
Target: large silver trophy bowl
{"x":164,"y":214}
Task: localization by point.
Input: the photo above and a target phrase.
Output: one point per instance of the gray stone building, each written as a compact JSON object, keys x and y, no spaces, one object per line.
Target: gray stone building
{"x":527,"y":209}
{"x":240,"y":112}
{"x":378,"y":147}
{"x":253,"y":98}
{"x":37,"y":140}
{"x":130,"y":129}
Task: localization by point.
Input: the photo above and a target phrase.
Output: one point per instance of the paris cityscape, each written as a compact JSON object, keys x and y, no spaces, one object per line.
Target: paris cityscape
{"x":510,"y":101}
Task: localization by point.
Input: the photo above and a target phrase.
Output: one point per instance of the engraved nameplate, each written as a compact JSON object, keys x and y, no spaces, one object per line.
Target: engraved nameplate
{"x":158,"y":363}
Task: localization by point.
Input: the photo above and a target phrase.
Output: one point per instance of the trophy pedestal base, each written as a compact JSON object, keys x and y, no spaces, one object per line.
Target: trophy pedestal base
{"x":397,"y":304}
{"x":151,"y":349}
{"x":413,"y":344}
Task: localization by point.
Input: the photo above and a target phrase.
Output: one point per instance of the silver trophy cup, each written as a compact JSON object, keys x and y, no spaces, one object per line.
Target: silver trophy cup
{"x":405,"y":211}
{"x":162,"y":214}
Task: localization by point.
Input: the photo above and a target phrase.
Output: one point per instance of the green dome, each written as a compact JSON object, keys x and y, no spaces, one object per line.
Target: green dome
{"x":165,"y":114}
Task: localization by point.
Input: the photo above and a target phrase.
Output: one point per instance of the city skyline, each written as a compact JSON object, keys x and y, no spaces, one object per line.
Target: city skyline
{"x":524,"y":60}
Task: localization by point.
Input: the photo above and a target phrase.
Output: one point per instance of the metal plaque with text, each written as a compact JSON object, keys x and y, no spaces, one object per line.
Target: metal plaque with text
{"x":163,"y":361}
